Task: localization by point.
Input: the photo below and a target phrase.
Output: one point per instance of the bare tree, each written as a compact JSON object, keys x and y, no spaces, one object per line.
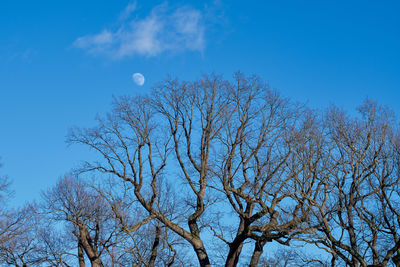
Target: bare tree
{"x":356,"y":214}
{"x":229,"y":164}
{"x":89,"y":217}
{"x":137,"y":151}
{"x":18,"y":243}
{"x":261,"y":165}
{"x":229,"y":140}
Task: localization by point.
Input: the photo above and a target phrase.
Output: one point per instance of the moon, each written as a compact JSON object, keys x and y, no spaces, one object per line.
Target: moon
{"x":138,"y":78}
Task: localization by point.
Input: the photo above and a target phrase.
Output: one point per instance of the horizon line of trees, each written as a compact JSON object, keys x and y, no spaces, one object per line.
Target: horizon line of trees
{"x":219,"y":172}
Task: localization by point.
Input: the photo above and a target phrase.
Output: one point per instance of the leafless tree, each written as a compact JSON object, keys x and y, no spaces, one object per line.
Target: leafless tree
{"x":235,"y":138}
{"x":18,"y":243}
{"x":137,"y":151}
{"x":261,"y":166}
{"x":229,"y":164}
{"x":356,"y":214}
{"x":89,"y":218}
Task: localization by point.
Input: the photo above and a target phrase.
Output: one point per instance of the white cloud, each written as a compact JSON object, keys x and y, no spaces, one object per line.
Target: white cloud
{"x":189,"y":28}
{"x":128,"y":11}
{"x":161,"y":31}
{"x":95,"y":43}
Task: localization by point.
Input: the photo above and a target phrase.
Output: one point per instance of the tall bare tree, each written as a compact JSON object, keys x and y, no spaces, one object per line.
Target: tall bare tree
{"x":137,"y":138}
{"x":235,"y":138}
{"x":261,"y":166}
{"x":357,"y":214}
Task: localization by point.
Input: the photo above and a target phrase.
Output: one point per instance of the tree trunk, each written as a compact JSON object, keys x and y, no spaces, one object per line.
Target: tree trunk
{"x":96,"y":262}
{"x":88,"y":247}
{"x":235,"y":248}
{"x":81,"y":258}
{"x":258,"y":250}
{"x":155,"y":247}
{"x":202,"y":255}
{"x":193,"y":237}
{"x":198,"y":245}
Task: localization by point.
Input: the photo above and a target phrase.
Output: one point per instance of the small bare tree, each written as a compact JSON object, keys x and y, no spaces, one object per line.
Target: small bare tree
{"x":88,"y":215}
{"x":18,"y":243}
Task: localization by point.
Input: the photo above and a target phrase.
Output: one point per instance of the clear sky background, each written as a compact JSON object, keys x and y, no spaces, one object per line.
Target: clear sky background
{"x":62,"y":61}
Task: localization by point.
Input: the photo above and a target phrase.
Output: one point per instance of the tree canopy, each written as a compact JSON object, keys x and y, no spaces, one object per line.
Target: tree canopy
{"x":225,"y":170}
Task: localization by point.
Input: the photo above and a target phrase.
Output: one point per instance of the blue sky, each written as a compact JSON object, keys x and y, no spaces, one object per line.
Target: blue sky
{"x":62,"y":61}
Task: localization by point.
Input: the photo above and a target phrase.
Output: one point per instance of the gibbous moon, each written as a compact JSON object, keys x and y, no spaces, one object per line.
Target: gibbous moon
{"x":138,"y":78}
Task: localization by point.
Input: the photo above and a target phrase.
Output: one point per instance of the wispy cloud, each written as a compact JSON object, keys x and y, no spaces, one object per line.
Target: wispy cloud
{"x":164,"y":29}
{"x":128,"y":11}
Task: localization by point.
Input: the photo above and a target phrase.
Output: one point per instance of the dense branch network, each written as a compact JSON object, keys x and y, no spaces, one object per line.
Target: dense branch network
{"x":220,"y":169}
